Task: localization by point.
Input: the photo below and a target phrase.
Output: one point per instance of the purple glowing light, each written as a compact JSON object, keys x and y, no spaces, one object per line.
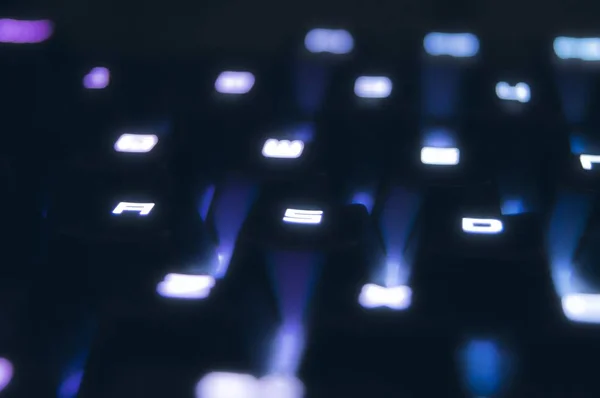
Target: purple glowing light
{"x":70,"y":386}
{"x":97,"y":78}
{"x":288,"y":348}
{"x":25,"y":32}
{"x":6,"y":373}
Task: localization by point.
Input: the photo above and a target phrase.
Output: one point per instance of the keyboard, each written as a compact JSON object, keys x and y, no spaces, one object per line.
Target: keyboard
{"x":325,"y":220}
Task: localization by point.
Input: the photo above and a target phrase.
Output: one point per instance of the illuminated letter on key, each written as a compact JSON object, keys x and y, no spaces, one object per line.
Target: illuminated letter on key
{"x":295,"y":216}
{"x":588,"y":160}
{"x":282,"y":149}
{"x":482,"y":225}
{"x":136,"y":143}
{"x":142,"y":208}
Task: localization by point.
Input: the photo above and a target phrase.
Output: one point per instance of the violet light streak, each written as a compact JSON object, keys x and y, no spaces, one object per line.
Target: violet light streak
{"x":6,"y":373}
{"x":97,"y":78}
{"x":25,"y":32}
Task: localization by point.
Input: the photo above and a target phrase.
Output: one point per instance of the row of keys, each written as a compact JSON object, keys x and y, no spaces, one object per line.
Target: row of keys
{"x":339,"y":41}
